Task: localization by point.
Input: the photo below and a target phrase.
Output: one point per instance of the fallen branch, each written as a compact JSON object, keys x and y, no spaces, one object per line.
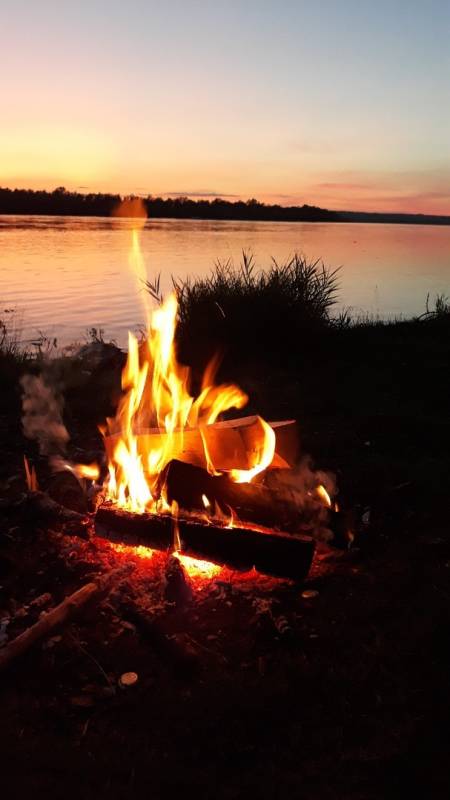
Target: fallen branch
{"x":53,"y":619}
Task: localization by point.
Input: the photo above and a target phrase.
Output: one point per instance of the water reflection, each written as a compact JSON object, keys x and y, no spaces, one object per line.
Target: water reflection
{"x":68,"y":274}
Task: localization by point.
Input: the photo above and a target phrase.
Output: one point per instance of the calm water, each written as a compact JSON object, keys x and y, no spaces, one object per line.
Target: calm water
{"x":67,"y":274}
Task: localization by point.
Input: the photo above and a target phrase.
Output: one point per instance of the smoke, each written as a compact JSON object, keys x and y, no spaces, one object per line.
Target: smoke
{"x":300,"y":488}
{"x":42,"y":416}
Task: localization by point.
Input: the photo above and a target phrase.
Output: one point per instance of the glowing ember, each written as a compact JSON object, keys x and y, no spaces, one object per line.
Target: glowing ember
{"x":138,"y":550}
{"x":197,"y":568}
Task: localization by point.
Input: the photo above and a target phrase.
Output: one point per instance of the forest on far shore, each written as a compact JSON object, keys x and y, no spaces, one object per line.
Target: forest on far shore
{"x":62,"y":202}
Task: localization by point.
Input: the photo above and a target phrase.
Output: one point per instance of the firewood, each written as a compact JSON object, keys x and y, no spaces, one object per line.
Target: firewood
{"x":56,"y":617}
{"x":252,"y":502}
{"x":240,"y":548}
{"x":230,"y":443}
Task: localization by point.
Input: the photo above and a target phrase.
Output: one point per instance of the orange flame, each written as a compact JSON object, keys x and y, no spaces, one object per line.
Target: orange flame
{"x":323,"y":494}
{"x":89,"y":471}
{"x":263,"y":457}
{"x":30,"y":476}
{"x":156,"y":394}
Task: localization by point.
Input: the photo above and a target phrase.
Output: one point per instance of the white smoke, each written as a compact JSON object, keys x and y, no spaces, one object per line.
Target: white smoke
{"x":299,"y":487}
{"x":42,"y":415}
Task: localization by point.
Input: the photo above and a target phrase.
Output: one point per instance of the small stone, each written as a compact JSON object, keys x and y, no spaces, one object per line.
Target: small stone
{"x":128,"y":679}
{"x":310,"y":594}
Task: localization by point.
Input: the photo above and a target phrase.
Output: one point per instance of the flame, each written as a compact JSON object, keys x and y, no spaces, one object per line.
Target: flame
{"x":156,"y":394}
{"x":262,"y":458}
{"x":195,"y":567}
{"x":30,"y":476}
{"x":323,"y":494}
{"x":221,"y":517}
{"x":89,"y":471}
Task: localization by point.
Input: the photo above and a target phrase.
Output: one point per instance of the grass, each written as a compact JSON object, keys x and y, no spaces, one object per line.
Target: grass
{"x":246,"y":310}
{"x":272,"y":315}
{"x":10,"y":345}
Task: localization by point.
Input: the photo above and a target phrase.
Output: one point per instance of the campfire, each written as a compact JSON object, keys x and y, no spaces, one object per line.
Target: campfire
{"x":183,"y":497}
{"x":180,"y":478}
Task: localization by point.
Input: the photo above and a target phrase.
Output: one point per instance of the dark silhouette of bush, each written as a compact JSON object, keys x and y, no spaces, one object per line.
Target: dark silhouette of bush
{"x":249,"y":312}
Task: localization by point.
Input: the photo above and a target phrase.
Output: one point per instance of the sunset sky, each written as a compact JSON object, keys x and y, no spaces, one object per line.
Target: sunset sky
{"x":340,"y":104}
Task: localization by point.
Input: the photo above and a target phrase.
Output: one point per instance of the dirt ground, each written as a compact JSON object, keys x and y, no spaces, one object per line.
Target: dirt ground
{"x":245,"y":686}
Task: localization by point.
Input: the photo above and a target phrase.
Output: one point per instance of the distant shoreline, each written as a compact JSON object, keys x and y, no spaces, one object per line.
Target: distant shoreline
{"x":61,"y":202}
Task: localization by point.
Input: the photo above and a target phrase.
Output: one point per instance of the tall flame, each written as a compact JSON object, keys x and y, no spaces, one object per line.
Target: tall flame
{"x":156,"y":394}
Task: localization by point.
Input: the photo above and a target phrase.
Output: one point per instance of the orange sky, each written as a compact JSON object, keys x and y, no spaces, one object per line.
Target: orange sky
{"x":344,"y":106}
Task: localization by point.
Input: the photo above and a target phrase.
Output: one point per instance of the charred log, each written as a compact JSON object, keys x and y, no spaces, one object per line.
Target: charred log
{"x":252,"y":502}
{"x":272,"y":553}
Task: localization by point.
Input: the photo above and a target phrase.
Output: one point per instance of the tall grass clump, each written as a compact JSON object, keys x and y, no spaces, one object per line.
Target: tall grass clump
{"x":13,"y":358}
{"x":10,"y":346}
{"x":247,"y":311}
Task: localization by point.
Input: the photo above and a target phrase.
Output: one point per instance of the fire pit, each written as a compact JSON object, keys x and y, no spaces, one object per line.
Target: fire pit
{"x":180,"y":479}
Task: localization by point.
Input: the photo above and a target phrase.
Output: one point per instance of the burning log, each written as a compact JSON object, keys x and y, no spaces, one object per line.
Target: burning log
{"x":193,"y":489}
{"x":53,"y":619}
{"x":272,"y":553}
{"x":228,"y":444}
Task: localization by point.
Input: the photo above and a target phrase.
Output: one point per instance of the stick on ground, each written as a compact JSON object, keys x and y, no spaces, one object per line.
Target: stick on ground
{"x":53,"y":619}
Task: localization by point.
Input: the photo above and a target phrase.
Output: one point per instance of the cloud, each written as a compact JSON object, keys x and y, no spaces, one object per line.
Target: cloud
{"x":345,"y":186}
{"x":198,"y":193}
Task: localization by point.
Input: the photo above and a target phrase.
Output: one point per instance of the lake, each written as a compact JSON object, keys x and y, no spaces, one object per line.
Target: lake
{"x":64,"y":275}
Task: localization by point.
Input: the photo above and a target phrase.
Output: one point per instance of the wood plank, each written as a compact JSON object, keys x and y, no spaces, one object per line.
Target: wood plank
{"x":230,"y":443}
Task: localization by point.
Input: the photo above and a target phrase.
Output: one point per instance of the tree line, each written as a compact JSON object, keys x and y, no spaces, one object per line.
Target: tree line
{"x":66,"y":203}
